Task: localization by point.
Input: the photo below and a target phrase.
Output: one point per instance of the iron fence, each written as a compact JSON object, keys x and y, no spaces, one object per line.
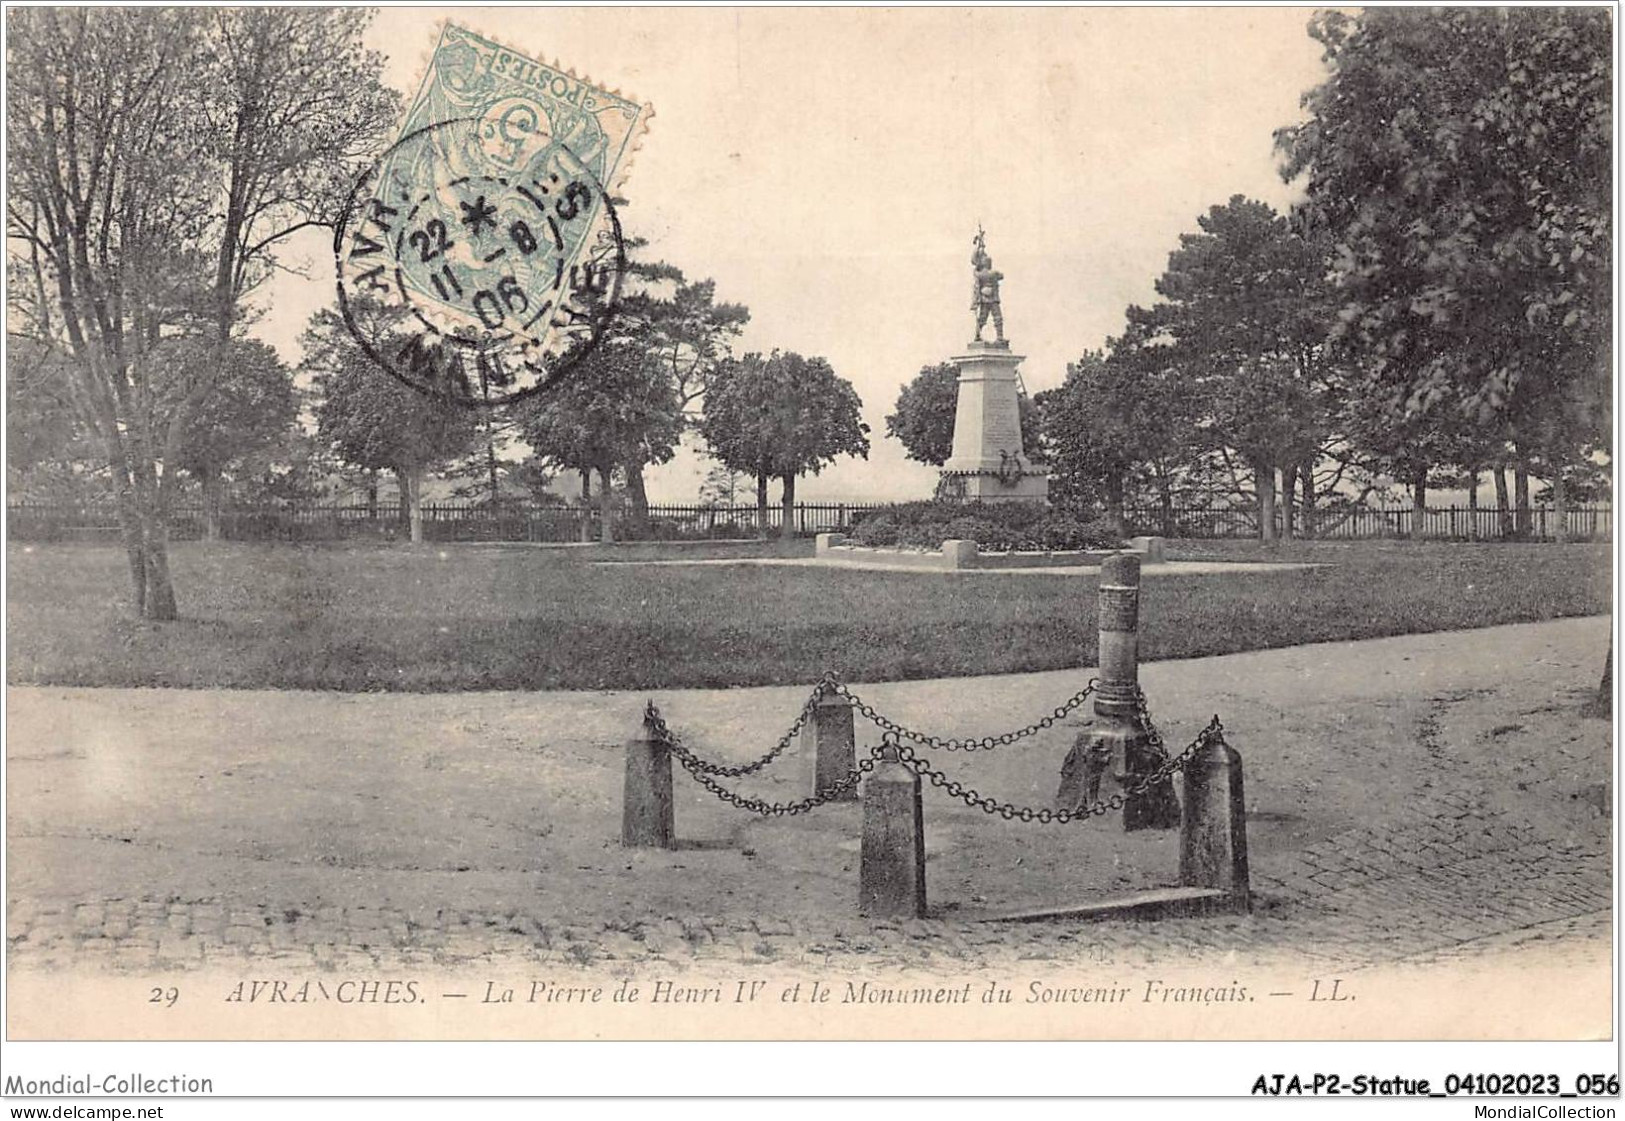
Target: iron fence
{"x":537,"y":522}
{"x":442,"y":521}
{"x":1591,"y":522}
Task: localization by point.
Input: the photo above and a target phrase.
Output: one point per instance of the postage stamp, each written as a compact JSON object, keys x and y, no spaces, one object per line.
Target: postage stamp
{"x":489,"y":229}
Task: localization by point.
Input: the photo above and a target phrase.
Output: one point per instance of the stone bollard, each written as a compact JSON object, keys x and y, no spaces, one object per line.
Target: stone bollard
{"x":646,"y":804}
{"x":1117,"y":739}
{"x":959,"y":554}
{"x":824,"y":542}
{"x":1213,"y":833}
{"x":891,"y":873}
{"x":1154,"y":550}
{"x":1119,"y":620}
{"x":836,"y":754}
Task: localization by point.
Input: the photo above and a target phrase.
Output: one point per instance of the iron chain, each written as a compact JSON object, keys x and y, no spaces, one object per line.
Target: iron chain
{"x":701,"y":766}
{"x":984,"y":743}
{"x":1214,"y":731}
{"x":1046,"y":816}
{"x":702,"y":772}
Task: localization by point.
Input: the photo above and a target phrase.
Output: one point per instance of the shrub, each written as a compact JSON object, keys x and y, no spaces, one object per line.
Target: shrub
{"x":995,"y":526}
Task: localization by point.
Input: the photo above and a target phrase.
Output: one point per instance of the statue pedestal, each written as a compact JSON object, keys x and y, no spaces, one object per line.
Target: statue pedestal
{"x":987,"y":463}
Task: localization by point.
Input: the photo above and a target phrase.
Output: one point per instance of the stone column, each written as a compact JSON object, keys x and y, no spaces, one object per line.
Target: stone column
{"x":646,"y":800}
{"x":1213,"y":834}
{"x":836,"y":755}
{"x":891,"y":873}
{"x":1117,"y":740}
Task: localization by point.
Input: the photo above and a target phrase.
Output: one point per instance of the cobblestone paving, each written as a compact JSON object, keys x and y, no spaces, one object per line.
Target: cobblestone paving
{"x":1429,"y":890}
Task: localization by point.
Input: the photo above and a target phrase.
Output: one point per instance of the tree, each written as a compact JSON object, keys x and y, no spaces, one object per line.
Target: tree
{"x":250,"y":408}
{"x":1460,"y":160}
{"x":781,"y":417}
{"x":618,"y":407}
{"x":107,"y":185}
{"x":50,"y":453}
{"x":1244,"y":316}
{"x":148,"y":185}
{"x":682,"y":326}
{"x":720,"y":487}
{"x":924,"y":416}
{"x":373,"y":420}
{"x":296,"y":109}
{"x":1115,"y":414}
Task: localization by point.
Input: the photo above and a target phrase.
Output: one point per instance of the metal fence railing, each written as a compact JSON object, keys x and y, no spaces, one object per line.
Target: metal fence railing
{"x":442,"y":521}
{"x":1592,"y":522}
{"x":538,"y":522}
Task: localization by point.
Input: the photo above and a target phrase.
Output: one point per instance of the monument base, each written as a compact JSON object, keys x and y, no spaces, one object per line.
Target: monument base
{"x":988,"y":486}
{"x":987,"y":463}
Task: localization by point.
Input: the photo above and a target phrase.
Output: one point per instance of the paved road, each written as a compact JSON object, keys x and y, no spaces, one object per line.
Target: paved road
{"x":1429,"y":798}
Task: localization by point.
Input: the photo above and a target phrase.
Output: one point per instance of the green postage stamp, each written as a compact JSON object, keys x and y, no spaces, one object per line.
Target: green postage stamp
{"x":481,"y":258}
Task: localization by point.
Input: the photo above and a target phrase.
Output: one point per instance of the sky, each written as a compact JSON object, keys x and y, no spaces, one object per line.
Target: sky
{"x":828,"y":168}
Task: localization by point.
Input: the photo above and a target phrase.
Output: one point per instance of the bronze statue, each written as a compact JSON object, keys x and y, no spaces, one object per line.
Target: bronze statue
{"x":985,"y":298}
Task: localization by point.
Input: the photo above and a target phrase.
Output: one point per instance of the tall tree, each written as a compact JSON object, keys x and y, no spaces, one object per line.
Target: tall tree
{"x":1115,"y":415}
{"x":681,"y":325}
{"x":1244,"y":314}
{"x":372,"y":420}
{"x":1460,"y":159}
{"x":251,"y":407}
{"x":781,"y":417}
{"x":108,"y":181}
{"x":148,"y":186}
{"x":295,"y":107}
{"x":923,"y":418}
{"x":619,"y":407}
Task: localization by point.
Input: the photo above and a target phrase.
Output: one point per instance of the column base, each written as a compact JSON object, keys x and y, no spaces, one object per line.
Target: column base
{"x":1119,"y":745}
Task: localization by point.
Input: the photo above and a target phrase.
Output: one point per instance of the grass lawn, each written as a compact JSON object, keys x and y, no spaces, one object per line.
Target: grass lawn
{"x":389,"y":617}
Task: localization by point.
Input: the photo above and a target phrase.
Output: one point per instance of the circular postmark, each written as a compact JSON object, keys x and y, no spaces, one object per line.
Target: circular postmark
{"x":479,"y":260}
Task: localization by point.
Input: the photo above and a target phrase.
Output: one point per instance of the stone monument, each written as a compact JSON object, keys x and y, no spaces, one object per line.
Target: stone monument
{"x":987,"y":462}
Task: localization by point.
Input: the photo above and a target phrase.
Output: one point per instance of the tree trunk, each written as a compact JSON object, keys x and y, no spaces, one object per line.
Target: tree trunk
{"x":1520,"y":483}
{"x":787,"y":508}
{"x":211,"y":505}
{"x":1165,"y":499}
{"x":637,"y":501}
{"x":1307,"y":473}
{"x":1472,"y":506}
{"x":1264,"y":478}
{"x":1560,"y":504}
{"x":1114,"y":504}
{"x":586,"y":505}
{"x":160,"y":599}
{"x":372,"y":495}
{"x":1503,"y":504}
{"x":761,"y":505}
{"x":412,"y":489}
{"x":491,"y":470}
{"x":606,"y":507}
{"x":137,"y":558}
{"x":1419,"y":504}
{"x":1289,"y":495}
